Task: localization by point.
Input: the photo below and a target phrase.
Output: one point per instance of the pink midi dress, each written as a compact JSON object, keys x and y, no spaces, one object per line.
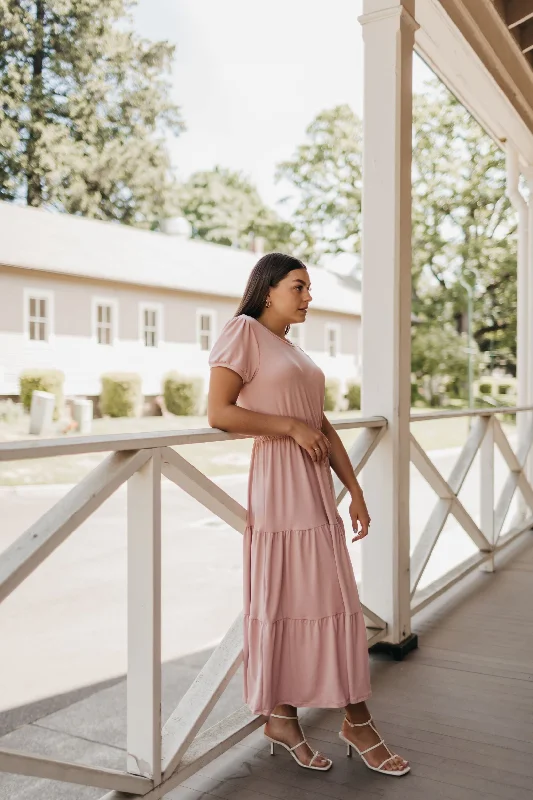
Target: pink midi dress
{"x":304,"y":632}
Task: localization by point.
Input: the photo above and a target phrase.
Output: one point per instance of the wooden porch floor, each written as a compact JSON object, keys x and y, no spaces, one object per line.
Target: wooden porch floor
{"x":460,"y":709}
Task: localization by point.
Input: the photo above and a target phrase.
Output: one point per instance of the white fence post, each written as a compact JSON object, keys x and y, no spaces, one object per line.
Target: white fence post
{"x":82,"y":413}
{"x":388,"y":33}
{"x":144,"y":621}
{"x":41,"y":411}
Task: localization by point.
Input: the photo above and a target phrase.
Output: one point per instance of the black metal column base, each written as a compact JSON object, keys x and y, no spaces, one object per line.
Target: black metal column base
{"x":396,"y":651}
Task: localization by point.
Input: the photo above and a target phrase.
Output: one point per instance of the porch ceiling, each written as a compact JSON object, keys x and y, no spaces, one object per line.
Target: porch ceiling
{"x":477,"y":48}
{"x":518,"y":16}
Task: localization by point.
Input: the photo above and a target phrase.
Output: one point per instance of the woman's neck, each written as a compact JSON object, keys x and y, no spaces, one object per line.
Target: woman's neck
{"x":275,"y":326}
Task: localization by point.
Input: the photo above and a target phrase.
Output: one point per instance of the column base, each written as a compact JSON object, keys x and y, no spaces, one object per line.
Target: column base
{"x":396,"y":651}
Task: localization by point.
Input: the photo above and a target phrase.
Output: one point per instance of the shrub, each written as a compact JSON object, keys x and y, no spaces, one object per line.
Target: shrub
{"x":42,"y":380}
{"x":10,"y":412}
{"x":331,"y":394}
{"x":121,"y":394}
{"x":416,"y":397}
{"x":182,"y":395}
{"x":353,"y":395}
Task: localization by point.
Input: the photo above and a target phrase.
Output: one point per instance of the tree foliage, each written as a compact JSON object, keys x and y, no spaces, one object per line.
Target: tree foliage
{"x":439,"y":361}
{"x":326,"y":171}
{"x":85,"y":111}
{"x":224,"y":207}
{"x":463,"y":225}
{"x":464,"y":229}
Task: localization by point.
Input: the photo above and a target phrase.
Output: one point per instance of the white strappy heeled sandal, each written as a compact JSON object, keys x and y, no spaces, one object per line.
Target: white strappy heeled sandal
{"x":292,"y":749}
{"x":350,"y":744}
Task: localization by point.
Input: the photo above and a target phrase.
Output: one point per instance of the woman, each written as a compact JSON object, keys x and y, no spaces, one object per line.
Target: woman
{"x":304,"y":632}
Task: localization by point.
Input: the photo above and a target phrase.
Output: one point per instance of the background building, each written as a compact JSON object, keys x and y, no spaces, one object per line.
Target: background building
{"x":89,"y":297}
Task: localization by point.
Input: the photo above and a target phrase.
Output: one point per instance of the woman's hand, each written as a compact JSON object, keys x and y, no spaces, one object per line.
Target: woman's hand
{"x":359,"y":514}
{"x":314,"y":441}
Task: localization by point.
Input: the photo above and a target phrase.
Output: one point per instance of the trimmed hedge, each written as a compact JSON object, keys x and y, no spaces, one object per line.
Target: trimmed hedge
{"x":496,"y":386}
{"x":121,"y":394}
{"x":42,"y":380}
{"x":353,"y":395}
{"x":331,"y":394}
{"x":182,"y":395}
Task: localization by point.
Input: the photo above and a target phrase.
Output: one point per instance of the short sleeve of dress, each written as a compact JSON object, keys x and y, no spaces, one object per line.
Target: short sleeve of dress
{"x":237,"y":348}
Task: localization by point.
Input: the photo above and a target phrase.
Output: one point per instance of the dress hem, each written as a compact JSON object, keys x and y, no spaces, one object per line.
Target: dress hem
{"x":313,"y":704}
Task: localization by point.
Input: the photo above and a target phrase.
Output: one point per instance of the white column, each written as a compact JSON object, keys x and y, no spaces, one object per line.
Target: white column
{"x":529,"y":270}
{"x":522,"y":299}
{"x":388,"y":34}
{"x":144,"y":621}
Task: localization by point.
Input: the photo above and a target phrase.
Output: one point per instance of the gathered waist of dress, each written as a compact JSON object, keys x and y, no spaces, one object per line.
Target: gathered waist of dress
{"x":271,"y":438}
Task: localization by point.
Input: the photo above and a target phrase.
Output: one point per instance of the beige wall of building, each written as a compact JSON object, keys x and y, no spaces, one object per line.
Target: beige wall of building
{"x":73,"y":347}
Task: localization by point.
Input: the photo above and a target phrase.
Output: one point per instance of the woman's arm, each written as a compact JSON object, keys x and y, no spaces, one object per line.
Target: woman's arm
{"x":224,"y":388}
{"x":341,"y":465}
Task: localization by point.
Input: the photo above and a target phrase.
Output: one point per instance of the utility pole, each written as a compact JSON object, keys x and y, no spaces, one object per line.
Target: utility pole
{"x":470,"y":349}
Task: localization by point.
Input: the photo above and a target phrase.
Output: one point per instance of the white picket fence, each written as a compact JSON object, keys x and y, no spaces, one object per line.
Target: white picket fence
{"x":161,"y":757}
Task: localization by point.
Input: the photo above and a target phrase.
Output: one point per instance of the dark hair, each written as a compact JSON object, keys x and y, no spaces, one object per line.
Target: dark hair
{"x":269,"y":271}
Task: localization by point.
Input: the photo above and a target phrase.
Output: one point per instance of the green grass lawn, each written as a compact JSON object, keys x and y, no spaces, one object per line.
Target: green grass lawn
{"x":213,"y":458}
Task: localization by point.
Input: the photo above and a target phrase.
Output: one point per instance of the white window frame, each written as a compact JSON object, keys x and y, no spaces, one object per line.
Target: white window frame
{"x":206,"y":312}
{"x":159,"y":336}
{"x":332,"y":326}
{"x":105,"y":301}
{"x":301,"y":335}
{"x":38,"y":294}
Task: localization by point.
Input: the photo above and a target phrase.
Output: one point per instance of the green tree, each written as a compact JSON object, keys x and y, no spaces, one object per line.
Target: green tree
{"x":85,"y":111}
{"x":224,"y":207}
{"x":439,"y":361}
{"x":463,"y":225}
{"x":327,"y":172}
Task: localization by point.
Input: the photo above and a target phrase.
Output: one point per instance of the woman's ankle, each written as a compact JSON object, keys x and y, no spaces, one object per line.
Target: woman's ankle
{"x":285,"y":710}
{"x":357,"y":712}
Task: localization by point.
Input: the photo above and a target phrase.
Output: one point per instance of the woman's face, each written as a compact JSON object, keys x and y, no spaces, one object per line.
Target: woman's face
{"x":291,"y":297}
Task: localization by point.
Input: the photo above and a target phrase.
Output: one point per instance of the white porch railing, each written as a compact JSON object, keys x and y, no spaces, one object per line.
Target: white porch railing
{"x":158,"y":759}
{"x":486,"y":432}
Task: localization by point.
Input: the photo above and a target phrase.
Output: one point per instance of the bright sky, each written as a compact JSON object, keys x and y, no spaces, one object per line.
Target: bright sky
{"x":250,"y":77}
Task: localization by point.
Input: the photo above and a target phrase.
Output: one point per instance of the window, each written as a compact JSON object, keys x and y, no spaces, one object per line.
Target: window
{"x":104,"y":323}
{"x":105,"y":320}
{"x":295,"y":335}
{"x":332,"y":340}
{"x":205,"y":329}
{"x":150,"y":324}
{"x":150,"y":327}
{"x":38,"y":318}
